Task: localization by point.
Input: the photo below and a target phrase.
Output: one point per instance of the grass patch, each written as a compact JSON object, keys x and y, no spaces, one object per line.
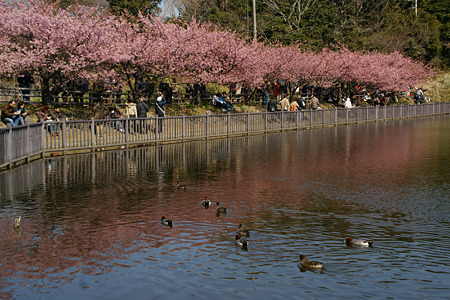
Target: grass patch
{"x":439,"y":88}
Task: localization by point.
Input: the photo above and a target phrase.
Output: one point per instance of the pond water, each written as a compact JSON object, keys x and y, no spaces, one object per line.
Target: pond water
{"x":90,"y":224}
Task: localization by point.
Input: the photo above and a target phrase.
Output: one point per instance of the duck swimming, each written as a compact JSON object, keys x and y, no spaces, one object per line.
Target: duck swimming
{"x":220,"y":209}
{"x":240,"y":242}
{"x":310,"y":264}
{"x":362,"y":243}
{"x":166,"y":222}
{"x":180,"y":186}
{"x":206,"y":202}
{"x":17,"y":222}
{"x":242,"y":231}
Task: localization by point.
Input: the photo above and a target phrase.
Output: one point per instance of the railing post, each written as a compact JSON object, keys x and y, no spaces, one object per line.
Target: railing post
{"x":266,"y":122}
{"x":323,"y":117}
{"x":228,"y":125}
{"x":385,"y":115}
{"x":310,"y":118}
{"x":346,"y":115}
{"x":127,"y":127}
{"x":27,"y":143}
{"x":156,"y":128}
{"x":183,"y":127}
{"x":367,"y":114}
{"x":93,"y":130}
{"x":248,"y":123}
{"x":9,"y":147}
{"x":282,"y":120}
{"x":43,"y":138}
{"x":335,"y":116}
{"x":207,"y":126}
{"x":64,"y":135}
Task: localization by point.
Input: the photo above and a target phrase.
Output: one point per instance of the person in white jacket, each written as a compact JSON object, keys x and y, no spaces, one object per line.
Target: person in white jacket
{"x":131,"y":113}
{"x":348,"y":103}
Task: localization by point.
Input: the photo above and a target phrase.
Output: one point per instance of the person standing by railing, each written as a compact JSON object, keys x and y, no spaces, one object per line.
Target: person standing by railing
{"x":160,"y":101}
{"x":314,"y":102}
{"x":10,"y":117}
{"x":131,"y":113}
{"x":348,"y":103}
{"x":294,"y":105}
{"x":272,"y":106}
{"x":142,"y":110}
{"x":285,"y":103}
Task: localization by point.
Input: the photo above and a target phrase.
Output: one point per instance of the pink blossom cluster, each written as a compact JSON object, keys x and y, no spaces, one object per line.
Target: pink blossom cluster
{"x":79,"y":41}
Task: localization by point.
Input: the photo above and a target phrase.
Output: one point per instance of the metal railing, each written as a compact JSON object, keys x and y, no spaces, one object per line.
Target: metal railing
{"x":21,"y":143}
{"x":24,"y":142}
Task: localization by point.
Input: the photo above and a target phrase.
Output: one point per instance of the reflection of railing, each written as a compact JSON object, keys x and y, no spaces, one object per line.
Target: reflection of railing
{"x":93,"y":168}
{"x":23,"y":142}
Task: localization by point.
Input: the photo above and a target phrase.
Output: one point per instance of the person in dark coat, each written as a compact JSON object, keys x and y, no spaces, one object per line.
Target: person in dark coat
{"x":142,"y":110}
{"x":272,"y":106}
{"x":25,"y":81}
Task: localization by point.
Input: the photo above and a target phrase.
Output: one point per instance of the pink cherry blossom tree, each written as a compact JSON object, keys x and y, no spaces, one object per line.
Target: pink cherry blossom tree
{"x":48,"y":41}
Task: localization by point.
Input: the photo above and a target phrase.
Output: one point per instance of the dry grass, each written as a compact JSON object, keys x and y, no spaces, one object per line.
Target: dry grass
{"x":439,"y":88}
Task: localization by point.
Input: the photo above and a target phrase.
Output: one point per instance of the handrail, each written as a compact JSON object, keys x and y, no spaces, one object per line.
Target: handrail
{"x":35,"y":140}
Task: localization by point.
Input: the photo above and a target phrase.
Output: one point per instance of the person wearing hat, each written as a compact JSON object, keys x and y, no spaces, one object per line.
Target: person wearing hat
{"x":160,"y":101}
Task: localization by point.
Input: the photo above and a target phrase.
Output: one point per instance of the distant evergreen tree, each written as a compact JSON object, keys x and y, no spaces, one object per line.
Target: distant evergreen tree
{"x":147,"y":7}
{"x":383,"y":25}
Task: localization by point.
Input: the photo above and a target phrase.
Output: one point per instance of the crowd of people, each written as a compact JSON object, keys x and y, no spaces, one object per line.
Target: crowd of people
{"x":276,"y":96}
{"x":112,"y":91}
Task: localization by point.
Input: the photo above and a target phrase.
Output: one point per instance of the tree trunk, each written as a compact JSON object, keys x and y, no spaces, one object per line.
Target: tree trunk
{"x":45,"y":89}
